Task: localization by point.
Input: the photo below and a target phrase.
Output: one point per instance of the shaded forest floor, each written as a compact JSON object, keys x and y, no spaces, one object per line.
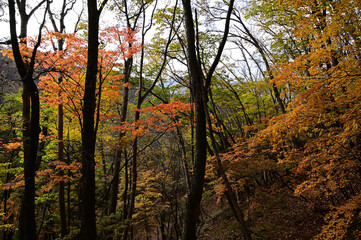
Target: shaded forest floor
{"x":273,"y":213}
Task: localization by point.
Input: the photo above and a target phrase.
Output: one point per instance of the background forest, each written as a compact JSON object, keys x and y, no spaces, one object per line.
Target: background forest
{"x":149,"y":119}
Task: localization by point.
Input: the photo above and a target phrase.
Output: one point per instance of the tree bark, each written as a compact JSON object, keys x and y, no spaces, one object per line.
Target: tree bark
{"x":199,"y":95}
{"x":88,"y":134}
{"x":115,"y":184}
{"x":195,"y":195}
{"x":63,"y":225}
{"x":31,"y":118}
{"x":134,"y":178}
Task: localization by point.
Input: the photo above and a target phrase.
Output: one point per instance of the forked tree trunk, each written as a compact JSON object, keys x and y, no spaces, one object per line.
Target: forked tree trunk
{"x":199,"y":93}
{"x":31,"y":117}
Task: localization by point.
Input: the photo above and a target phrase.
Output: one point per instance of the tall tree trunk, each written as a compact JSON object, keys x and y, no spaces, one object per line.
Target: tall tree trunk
{"x":61,"y":188}
{"x":27,"y":224}
{"x":199,"y":93}
{"x":118,"y":154}
{"x":63,"y":225}
{"x":134,"y":173}
{"x":192,"y":210}
{"x":88,"y":134}
{"x":134,"y":179}
{"x":141,"y":98}
{"x":125,"y":191}
{"x":31,"y":117}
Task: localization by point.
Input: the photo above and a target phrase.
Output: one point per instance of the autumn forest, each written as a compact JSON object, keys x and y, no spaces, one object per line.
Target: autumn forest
{"x":180,"y":119}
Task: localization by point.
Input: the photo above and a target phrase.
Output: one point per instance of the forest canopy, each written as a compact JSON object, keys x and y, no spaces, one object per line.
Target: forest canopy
{"x":183,"y":119}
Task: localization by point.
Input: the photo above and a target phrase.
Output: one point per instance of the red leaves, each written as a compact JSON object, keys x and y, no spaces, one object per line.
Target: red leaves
{"x":123,"y":41}
{"x":63,"y":83}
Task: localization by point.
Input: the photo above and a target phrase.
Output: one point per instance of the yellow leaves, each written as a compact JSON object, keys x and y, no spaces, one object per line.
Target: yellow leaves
{"x":7,"y":227}
{"x":150,"y":201}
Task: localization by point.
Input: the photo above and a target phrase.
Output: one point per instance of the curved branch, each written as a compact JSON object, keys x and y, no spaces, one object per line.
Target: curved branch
{"x":221,"y":45}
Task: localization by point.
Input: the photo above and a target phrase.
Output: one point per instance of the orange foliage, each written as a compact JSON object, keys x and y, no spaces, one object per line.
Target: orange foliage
{"x":161,"y":117}
{"x":343,"y":223}
{"x":318,"y":140}
{"x":69,"y":65}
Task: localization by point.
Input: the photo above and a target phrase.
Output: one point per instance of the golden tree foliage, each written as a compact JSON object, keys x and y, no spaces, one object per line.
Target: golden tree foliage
{"x":322,"y":125}
{"x":318,"y":140}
